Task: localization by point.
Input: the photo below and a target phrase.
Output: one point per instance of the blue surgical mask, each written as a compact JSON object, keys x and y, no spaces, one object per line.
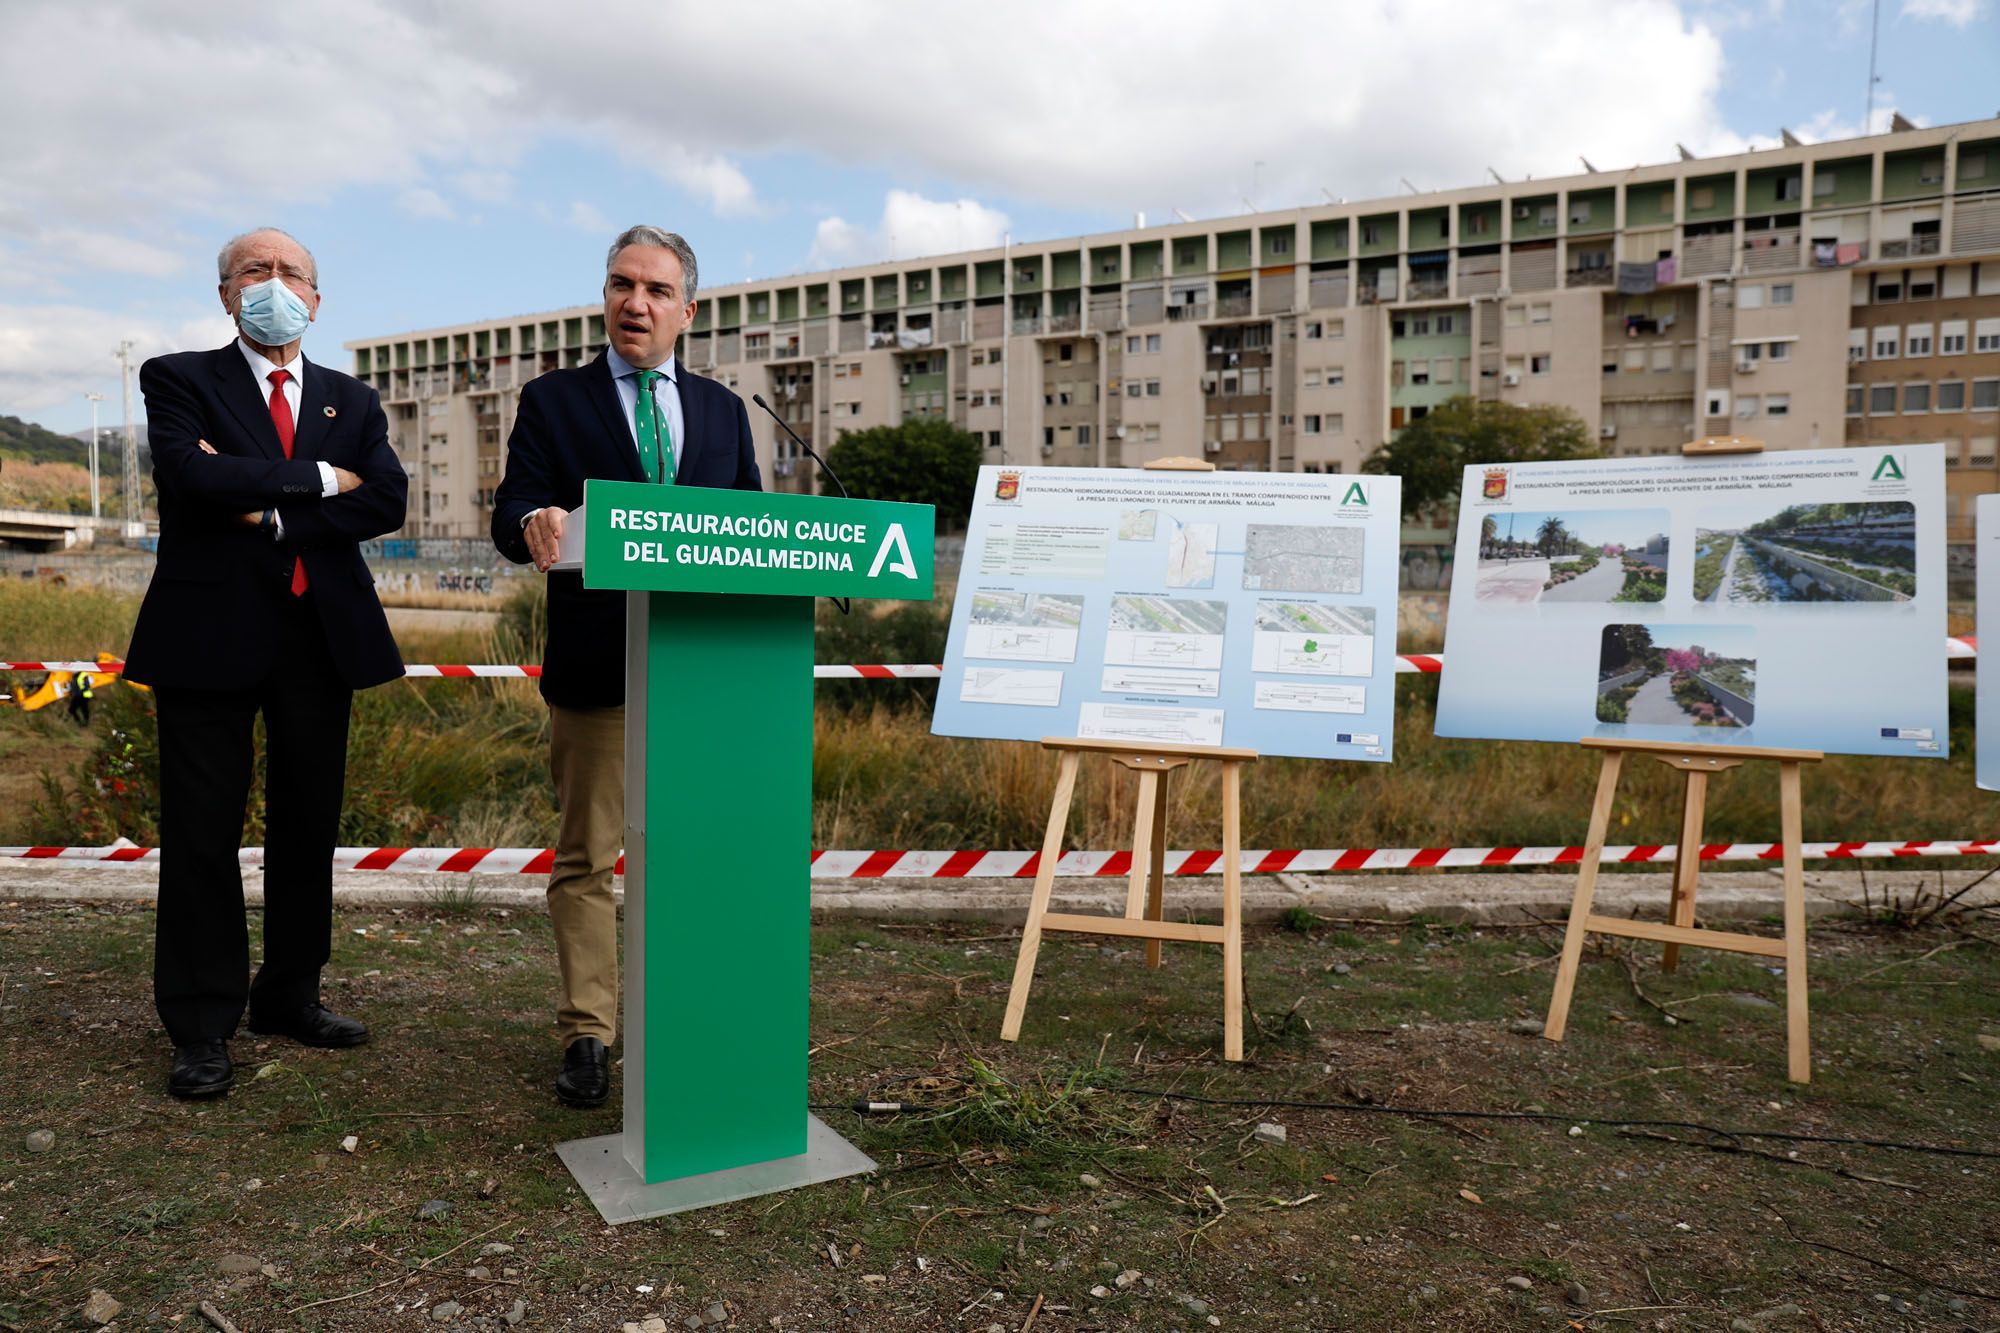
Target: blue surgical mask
{"x":272,"y":313}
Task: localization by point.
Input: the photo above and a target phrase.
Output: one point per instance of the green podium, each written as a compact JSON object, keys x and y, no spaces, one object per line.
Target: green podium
{"x":718,"y":822}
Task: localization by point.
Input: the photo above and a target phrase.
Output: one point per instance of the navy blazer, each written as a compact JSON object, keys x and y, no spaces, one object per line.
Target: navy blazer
{"x":571,"y":426}
{"x":207,"y":620}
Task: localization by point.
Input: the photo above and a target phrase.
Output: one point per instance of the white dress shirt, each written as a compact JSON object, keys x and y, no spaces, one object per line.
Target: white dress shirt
{"x":261,"y":367}
{"x":666,"y":401}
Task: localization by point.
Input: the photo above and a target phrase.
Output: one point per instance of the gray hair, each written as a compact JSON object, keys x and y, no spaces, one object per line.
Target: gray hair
{"x":665,"y":240}
{"x":229,"y":249}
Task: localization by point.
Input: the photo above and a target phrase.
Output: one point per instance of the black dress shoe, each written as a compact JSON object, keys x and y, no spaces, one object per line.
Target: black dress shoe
{"x":314,"y":1025}
{"x":201,"y":1069}
{"x":585,"y":1080}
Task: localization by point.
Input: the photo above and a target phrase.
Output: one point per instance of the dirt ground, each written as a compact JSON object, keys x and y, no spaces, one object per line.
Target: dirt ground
{"x":1049,"y":1185}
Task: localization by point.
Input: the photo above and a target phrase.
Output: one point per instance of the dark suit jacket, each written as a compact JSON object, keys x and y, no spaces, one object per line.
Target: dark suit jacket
{"x":571,"y":426}
{"x":207,"y":620}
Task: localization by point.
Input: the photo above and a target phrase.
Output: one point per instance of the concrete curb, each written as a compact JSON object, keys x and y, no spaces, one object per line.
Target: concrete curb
{"x":1480,"y":898}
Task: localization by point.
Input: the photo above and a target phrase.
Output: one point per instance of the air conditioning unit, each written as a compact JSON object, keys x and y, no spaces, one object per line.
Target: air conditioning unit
{"x":1746,"y":367}
{"x":1047,"y":450}
{"x":1511,"y":379}
{"x":1607,"y":432}
{"x":906,"y":379}
{"x":1522,"y":213}
{"x":1118,"y":432}
{"x":1212,"y":447}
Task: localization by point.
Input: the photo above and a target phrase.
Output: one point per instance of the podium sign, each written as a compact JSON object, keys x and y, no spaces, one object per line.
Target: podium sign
{"x":718,"y":815}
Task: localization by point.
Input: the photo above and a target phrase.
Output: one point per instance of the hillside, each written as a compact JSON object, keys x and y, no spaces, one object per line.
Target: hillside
{"x":31,"y":443}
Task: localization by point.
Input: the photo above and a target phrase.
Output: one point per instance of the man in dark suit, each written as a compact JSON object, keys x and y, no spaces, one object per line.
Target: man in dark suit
{"x":633,"y":414}
{"x":271,"y":469}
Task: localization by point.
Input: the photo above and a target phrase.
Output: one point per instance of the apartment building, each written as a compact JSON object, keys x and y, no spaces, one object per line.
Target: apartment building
{"x":1812,"y":295}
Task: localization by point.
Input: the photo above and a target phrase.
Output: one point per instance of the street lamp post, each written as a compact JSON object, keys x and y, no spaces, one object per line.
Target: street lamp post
{"x":95,"y":399}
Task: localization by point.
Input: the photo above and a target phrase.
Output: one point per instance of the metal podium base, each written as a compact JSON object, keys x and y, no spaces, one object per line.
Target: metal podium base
{"x":621,"y":1196}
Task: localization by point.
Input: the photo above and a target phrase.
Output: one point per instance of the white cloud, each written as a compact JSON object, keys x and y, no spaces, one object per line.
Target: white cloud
{"x":910,"y":226}
{"x":585,"y":216}
{"x":423,"y":202}
{"x":1958,"y":13}
{"x":51,"y":354}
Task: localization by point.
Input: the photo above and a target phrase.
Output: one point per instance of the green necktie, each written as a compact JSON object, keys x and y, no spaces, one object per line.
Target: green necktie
{"x":656,"y":439}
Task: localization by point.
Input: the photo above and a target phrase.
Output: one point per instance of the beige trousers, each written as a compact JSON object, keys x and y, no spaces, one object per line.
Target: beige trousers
{"x":587,"y":760}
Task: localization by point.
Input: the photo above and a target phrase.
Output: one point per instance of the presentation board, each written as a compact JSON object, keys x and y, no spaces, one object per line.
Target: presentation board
{"x":1251,"y":609}
{"x":1986,"y":703}
{"x":1791,"y":598}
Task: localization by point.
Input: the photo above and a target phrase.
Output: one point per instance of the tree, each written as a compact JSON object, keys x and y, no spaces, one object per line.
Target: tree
{"x":926,"y":460}
{"x":1552,"y":536}
{"x":1431,"y":453}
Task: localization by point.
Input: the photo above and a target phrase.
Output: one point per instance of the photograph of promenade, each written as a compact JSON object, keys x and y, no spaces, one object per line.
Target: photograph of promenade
{"x":1678,"y":675}
{"x":1584,"y":555}
{"x":1862,"y":552}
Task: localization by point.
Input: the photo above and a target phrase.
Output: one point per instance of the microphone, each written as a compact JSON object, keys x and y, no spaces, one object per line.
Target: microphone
{"x":758,"y":399}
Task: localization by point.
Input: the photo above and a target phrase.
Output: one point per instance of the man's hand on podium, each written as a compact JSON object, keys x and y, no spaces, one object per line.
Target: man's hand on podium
{"x":544,"y":531}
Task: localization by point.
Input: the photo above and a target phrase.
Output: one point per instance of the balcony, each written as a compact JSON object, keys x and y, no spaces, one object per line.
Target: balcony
{"x":762,"y":353}
{"x":1187,"y":312}
{"x":1911,"y":246}
{"x":1231,"y":307}
{"x":1067,"y":321}
{"x":1600,"y":276}
{"x":1704,"y":255}
{"x":1429,"y":288}
{"x":1027,"y":325}
{"x":1770,"y":251}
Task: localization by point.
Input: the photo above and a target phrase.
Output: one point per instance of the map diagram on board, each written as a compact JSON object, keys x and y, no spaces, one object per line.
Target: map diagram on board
{"x":1190,"y":554}
{"x":1283,"y":558}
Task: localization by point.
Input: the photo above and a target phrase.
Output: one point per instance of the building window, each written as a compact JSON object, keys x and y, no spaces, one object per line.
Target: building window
{"x":1538,"y":364}
{"x":1083,"y":435}
{"x":1972,"y":166}
{"x":1917,"y":340}
{"x":1986,"y":335}
{"x":1781,"y":293}
{"x":1663,"y":359}
{"x":1854,"y":392}
{"x":1152,"y":342}
{"x":1951,"y":396}
{"x":1916,"y":398}
{"x":1312,"y":423}
{"x":1312,"y":379}
{"x":1335,"y":377}
{"x":1281,"y":244}
{"x":1750,"y":297}
{"x":1420,"y":326}
{"x":1048,"y":437}
{"x":1420,"y":376}
{"x":1579,"y":212}
{"x":1825,"y":183}
{"x":1951,"y":338}
{"x":1778,"y":352}
{"x":1539,"y":313}
{"x":1888,"y":291}
{"x":1152,"y":388}
{"x":1788,"y":188}
{"x":1881,"y":400}
{"x":1335,"y":422}
{"x":1312,"y":330}
{"x":1132,"y":344}
{"x":1746,"y":406}
{"x":1885,"y":343}
{"x":1985,"y":395}
{"x":1545,"y":216}
{"x":1516,"y":316}
{"x":1778,"y":405}
{"x":1371,"y":233}
{"x":1336,"y":328}
{"x":1923,"y":289}
{"x":1133,"y":388}
{"x":1701,"y":196}
{"x":1930,"y":171}
{"x":1479,"y":224}
{"x":1066,"y":352}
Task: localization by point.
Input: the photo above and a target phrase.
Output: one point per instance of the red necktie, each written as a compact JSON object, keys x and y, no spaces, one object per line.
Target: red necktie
{"x":281,"y":417}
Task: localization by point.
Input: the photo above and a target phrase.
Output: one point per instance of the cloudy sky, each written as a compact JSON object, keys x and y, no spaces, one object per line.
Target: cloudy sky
{"x":452,"y":161}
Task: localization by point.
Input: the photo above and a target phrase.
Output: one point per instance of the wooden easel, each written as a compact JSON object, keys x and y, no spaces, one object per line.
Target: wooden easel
{"x":1697,"y":762}
{"x":1145,"y":889}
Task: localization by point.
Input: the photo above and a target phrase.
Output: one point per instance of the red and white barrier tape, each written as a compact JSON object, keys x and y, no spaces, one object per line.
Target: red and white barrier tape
{"x":1964,"y":646}
{"x":1018,"y":865}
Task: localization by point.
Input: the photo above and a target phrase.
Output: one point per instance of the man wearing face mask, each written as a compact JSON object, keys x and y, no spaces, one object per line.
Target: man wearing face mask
{"x":633,"y":414}
{"x":271,"y":470}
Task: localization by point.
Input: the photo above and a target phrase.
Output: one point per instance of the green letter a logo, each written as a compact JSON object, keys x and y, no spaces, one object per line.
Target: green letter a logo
{"x":1888,"y":466}
{"x":1355,"y":495}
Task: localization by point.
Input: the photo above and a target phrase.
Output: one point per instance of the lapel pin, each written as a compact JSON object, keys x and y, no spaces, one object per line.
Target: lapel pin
{"x":330,"y":413}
